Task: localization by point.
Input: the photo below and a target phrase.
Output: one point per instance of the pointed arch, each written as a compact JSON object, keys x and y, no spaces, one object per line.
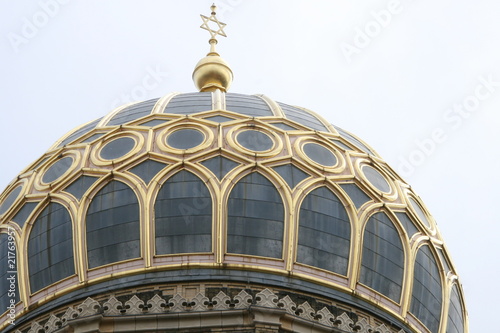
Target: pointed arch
{"x":50,"y":247}
{"x":113,"y":225}
{"x":255,"y":220}
{"x":427,"y":299}
{"x":324,"y":237}
{"x":183,"y":215}
{"x":455,"y":312}
{"x":382,"y":262}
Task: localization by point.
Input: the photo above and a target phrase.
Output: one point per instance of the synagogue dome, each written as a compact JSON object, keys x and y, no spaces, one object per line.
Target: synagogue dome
{"x":217,"y":211}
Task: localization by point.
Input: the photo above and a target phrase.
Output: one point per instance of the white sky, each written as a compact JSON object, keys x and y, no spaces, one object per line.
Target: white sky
{"x":400,"y":87}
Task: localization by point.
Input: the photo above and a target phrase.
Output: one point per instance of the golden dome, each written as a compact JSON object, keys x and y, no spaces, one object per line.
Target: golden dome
{"x":224,"y":211}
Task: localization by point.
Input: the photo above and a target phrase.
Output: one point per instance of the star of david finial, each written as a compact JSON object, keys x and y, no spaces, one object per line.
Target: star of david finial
{"x":213,"y":25}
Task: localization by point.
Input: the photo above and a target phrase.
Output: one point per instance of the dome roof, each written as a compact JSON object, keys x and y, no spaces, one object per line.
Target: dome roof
{"x":223,"y":186}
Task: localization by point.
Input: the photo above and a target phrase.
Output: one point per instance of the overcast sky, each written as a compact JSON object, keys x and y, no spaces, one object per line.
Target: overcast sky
{"x":419,"y":80}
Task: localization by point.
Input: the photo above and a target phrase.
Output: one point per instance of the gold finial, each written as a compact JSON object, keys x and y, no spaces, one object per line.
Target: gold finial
{"x":212,"y":72}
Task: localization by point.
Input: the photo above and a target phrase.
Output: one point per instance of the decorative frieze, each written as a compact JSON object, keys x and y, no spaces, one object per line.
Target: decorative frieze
{"x":157,"y":305}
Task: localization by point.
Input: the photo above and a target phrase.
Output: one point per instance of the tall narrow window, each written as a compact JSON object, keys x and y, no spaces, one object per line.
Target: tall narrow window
{"x":50,"y":247}
{"x":324,"y":232}
{"x":113,"y":230}
{"x":426,"y":297}
{"x":382,"y":266}
{"x":183,"y":215}
{"x":455,"y":313}
{"x":255,"y":218}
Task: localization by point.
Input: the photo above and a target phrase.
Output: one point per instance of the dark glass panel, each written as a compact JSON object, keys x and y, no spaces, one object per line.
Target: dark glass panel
{"x":190,"y":103}
{"x":57,"y":169}
{"x":219,"y":119}
{"x":252,"y":106}
{"x":407,"y":223}
{"x":147,"y":170}
{"x":426,"y":300}
{"x":419,"y":211}
{"x":444,"y":260}
{"x":183,"y":215}
{"x":9,"y":290}
{"x":133,"y":112}
{"x":341,"y":144}
{"x":302,"y":117}
{"x":117,"y":148}
{"x":79,"y":132}
{"x":255,"y":140}
{"x":185,"y":138}
{"x":11,"y":198}
{"x":353,"y":140}
{"x":113,"y":228}
{"x":291,"y":174}
{"x":324,"y":232}
{"x":455,"y":313}
{"x":23,"y":213}
{"x":382,"y":266}
{"x":154,"y":122}
{"x":319,"y":154}
{"x":50,"y":247}
{"x":80,"y":186}
{"x":376,"y":179}
{"x":284,"y":126}
{"x":356,"y":194}
{"x":220,"y":165}
{"x":93,"y":137}
{"x":255,"y":218}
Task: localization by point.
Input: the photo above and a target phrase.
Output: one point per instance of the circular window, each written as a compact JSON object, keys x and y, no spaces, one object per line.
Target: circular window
{"x":57,"y":169}
{"x":185,"y":138}
{"x":376,"y":179}
{"x":117,"y":148}
{"x":420,"y":212}
{"x":319,"y":154}
{"x":10,"y":199}
{"x":255,"y":140}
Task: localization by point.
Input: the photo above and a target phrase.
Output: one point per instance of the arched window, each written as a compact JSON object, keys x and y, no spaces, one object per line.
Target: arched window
{"x":113,"y":230}
{"x":50,"y":247}
{"x":455,"y":313}
{"x":183,"y":215}
{"x":324,"y":232}
{"x":9,"y":292}
{"x":255,"y":218}
{"x":426,"y":297}
{"x":382,"y":266}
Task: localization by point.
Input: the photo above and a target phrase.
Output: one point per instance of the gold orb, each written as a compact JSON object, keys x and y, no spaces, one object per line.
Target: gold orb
{"x":212,"y":73}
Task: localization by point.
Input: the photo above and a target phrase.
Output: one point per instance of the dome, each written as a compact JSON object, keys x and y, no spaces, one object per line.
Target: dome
{"x":221,"y":203}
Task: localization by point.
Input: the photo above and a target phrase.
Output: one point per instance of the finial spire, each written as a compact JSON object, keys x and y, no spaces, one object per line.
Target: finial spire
{"x":214,"y":27}
{"x":212,"y":72}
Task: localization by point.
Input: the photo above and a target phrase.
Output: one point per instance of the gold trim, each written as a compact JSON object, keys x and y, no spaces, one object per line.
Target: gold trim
{"x":301,"y":141}
{"x":431,"y":227}
{"x":98,"y":160}
{"x":162,"y":103}
{"x":75,"y":155}
{"x":275,"y":107}
{"x":24,"y":184}
{"x":233,"y":133}
{"x":105,"y":120}
{"x":360,"y":163}
{"x":162,"y":137}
